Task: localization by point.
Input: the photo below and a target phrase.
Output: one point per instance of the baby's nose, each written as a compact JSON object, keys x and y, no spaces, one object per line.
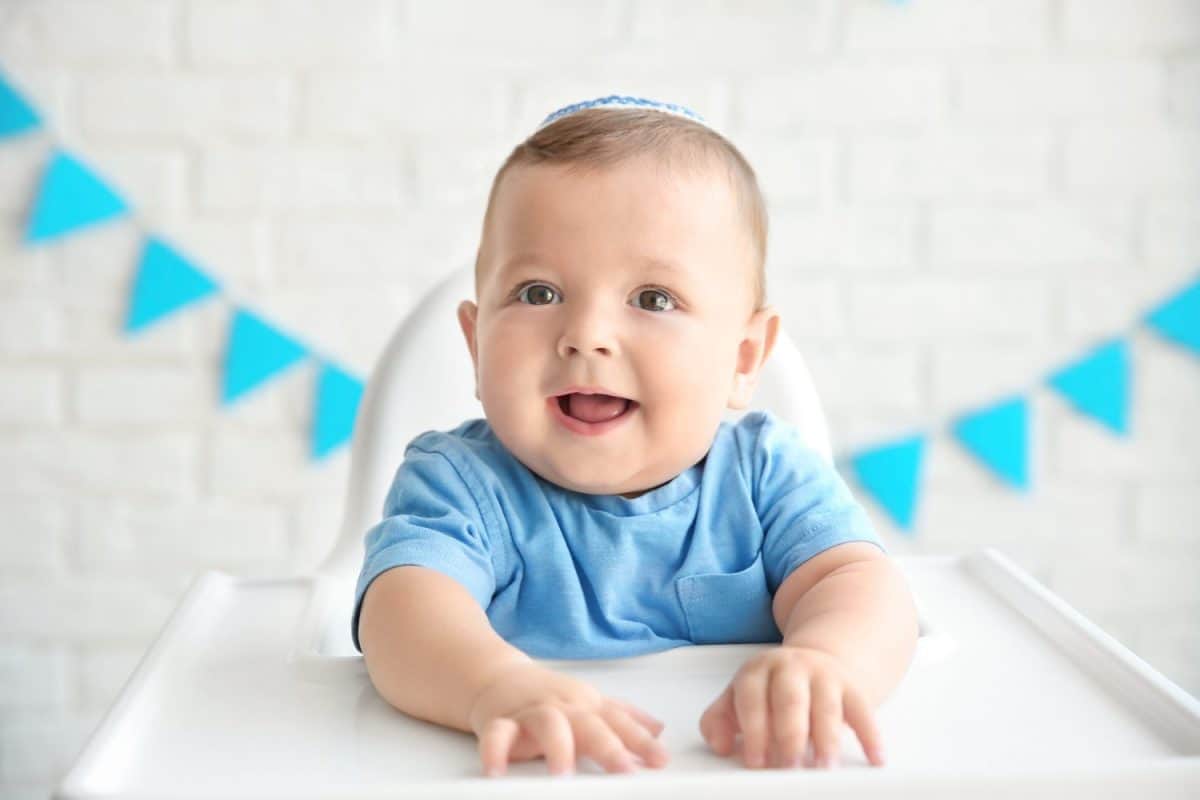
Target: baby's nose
{"x":567,"y":348}
{"x":588,"y":327}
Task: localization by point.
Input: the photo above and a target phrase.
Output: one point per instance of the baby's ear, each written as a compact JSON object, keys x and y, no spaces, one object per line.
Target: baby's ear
{"x":753,"y":351}
{"x":467,"y":315}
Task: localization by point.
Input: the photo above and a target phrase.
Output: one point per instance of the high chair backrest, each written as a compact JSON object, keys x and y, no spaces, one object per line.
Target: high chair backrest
{"x":424,"y":380}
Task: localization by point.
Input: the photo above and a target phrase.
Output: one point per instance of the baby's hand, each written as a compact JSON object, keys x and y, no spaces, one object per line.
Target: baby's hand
{"x":528,"y":711}
{"x":801,"y":691}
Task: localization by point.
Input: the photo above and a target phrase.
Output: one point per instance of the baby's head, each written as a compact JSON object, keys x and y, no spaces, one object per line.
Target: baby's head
{"x":622,"y":254}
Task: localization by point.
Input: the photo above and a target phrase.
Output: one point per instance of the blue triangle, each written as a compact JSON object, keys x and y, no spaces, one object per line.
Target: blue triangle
{"x":16,"y":115}
{"x":70,"y":197}
{"x":890,"y":473}
{"x":1179,"y":318}
{"x":256,"y":352}
{"x":165,"y":282}
{"x":338,"y":395}
{"x":998,"y":436}
{"x":1098,"y":384}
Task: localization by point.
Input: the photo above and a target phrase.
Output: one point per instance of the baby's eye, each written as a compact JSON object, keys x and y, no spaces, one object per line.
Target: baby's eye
{"x":654,"y":300}
{"x":539,"y":290}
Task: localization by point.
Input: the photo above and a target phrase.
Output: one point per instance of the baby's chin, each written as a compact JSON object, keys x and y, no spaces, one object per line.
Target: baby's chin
{"x":625,"y":488}
{"x":594,"y":473}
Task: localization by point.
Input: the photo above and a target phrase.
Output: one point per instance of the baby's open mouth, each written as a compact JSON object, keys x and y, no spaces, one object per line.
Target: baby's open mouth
{"x":594,"y":407}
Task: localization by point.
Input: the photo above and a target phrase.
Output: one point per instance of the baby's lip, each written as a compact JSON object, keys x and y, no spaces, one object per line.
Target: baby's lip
{"x":590,"y":390}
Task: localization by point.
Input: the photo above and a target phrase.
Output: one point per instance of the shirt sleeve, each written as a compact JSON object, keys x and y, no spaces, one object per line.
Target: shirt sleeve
{"x":804,"y":505}
{"x":430,"y":519}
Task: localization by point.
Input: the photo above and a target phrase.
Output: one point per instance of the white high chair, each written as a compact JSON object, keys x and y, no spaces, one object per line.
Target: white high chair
{"x":254,"y":689}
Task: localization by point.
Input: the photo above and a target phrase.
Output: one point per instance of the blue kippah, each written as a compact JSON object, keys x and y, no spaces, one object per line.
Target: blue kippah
{"x":624,"y":101}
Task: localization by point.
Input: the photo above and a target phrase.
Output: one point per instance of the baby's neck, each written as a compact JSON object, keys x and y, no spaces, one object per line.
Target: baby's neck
{"x":641,"y":492}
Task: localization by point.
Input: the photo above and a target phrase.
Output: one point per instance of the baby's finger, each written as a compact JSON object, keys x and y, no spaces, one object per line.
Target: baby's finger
{"x":789,"y":714}
{"x":550,"y":727}
{"x":649,"y":722}
{"x":825,"y":721}
{"x":750,"y":703}
{"x":598,"y":741}
{"x":494,"y":744}
{"x":719,"y":725}
{"x":636,"y":738}
{"x":860,"y":718}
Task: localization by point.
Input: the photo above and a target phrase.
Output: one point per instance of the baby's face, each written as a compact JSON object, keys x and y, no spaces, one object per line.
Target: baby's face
{"x":632,"y":281}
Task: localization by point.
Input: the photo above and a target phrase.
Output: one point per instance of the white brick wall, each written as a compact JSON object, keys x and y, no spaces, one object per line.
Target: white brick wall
{"x":962,"y":196}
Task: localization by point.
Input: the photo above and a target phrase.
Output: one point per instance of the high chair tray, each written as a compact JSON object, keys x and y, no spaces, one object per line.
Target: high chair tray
{"x":1011,"y":691}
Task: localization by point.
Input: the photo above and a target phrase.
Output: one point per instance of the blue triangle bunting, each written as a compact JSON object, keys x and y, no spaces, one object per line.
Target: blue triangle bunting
{"x":998,"y":436}
{"x":166,"y":282}
{"x":338,"y":396}
{"x":1178,"y":319}
{"x":256,"y":352}
{"x":70,"y":197}
{"x":890,"y":474}
{"x":1098,"y":384}
{"x":16,"y":115}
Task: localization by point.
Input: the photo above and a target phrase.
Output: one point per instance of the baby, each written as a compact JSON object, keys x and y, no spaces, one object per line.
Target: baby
{"x":604,"y":508}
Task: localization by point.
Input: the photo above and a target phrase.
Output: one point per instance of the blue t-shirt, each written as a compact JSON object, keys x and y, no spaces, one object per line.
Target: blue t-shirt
{"x":564,"y":574}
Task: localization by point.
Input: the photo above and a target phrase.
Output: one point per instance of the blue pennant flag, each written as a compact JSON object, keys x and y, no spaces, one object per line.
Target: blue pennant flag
{"x":890,"y":474}
{"x":998,"y":436}
{"x":16,"y":115}
{"x":1098,"y":384}
{"x":338,"y":395}
{"x":69,"y":198}
{"x":1179,"y":318}
{"x":166,"y":282}
{"x":256,"y":352}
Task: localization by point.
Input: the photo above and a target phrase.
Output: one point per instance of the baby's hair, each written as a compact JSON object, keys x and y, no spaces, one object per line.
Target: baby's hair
{"x":602,"y":137}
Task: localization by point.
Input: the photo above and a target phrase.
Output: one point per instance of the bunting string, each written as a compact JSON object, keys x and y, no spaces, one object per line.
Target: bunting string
{"x":71,"y":197}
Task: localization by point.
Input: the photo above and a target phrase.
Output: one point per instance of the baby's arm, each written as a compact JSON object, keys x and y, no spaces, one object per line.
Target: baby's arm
{"x":428,"y":645}
{"x":848,"y":620}
{"x":432,"y":653}
{"x":849,"y":633}
{"x":852,"y":602}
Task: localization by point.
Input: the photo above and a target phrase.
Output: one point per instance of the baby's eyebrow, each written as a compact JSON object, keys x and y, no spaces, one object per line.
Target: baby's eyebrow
{"x":516,"y":264}
{"x":650,"y":264}
{"x":654,"y":264}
